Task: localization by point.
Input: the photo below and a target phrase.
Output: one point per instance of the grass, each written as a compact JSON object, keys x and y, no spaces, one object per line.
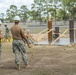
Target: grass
{"x":35,"y":30}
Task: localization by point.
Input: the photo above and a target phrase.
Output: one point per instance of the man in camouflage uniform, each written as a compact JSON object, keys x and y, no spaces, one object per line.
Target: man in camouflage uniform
{"x":29,"y":37}
{"x":1,"y":36}
{"x":18,"y":43}
{"x":7,"y":36}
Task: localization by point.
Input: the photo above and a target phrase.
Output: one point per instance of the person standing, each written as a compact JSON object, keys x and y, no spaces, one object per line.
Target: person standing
{"x":18,"y":43}
{"x":1,"y":36}
{"x":7,"y":33}
{"x":29,"y":37}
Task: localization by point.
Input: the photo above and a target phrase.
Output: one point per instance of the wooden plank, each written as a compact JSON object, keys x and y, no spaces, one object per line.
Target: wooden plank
{"x":43,"y":31}
{"x":44,"y":34}
{"x":59,"y":36}
{"x":38,"y":34}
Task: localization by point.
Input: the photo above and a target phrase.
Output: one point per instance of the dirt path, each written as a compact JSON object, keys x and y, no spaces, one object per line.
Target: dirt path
{"x":44,"y":60}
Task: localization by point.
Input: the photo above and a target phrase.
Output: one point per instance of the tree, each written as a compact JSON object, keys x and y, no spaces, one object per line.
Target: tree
{"x":60,"y":14}
{"x":2,"y":17}
{"x":24,"y":13}
{"x":11,"y":12}
{"x":37,"y":7}
{"x":70,"y":7}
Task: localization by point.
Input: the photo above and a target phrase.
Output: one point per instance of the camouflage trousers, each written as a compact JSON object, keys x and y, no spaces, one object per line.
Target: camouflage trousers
{"x":19,"y":47}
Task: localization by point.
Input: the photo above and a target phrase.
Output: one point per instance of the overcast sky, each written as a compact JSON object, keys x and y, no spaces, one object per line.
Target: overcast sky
{"x":5,"y":4}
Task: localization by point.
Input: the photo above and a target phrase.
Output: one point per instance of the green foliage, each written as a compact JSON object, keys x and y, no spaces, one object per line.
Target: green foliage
{"x":11,"y":12}
{"x":41,"y":9}
{"x":24,"y":13}
{"x":2,"y":17}
{"x":70,"y":7}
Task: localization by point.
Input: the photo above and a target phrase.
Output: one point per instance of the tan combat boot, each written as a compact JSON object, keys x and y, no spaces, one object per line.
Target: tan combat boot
{"x":27,"y":66}
{"x":18,"y":66}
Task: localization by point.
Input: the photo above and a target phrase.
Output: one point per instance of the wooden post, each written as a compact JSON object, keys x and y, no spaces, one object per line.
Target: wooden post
{"x":50,"y":33}
{"x":71,"y":30}
{"x":59,"y":36}
{"x":56,"y":32}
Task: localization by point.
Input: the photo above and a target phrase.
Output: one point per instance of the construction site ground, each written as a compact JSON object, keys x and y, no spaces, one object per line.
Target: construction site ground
{"x":43,"y":60}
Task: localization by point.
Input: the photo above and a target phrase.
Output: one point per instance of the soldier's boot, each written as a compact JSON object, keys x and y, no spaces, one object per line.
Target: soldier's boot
{"x":18,"y":66}
{"x":27,"y":66}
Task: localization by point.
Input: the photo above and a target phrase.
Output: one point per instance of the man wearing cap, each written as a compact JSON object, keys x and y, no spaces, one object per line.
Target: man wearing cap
{"x":18,"y":43}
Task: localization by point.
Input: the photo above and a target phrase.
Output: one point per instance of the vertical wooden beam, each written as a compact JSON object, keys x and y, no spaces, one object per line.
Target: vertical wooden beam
{"x":56,"y":32}
{"x":71,"y":30}
{"x":50,"y":33}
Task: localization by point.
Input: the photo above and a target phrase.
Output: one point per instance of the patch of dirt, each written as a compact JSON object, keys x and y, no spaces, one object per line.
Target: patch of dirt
{"x":44,"y":60}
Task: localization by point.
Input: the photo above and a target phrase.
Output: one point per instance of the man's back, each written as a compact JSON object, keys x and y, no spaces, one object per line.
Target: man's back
{"x":16,"y":31}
